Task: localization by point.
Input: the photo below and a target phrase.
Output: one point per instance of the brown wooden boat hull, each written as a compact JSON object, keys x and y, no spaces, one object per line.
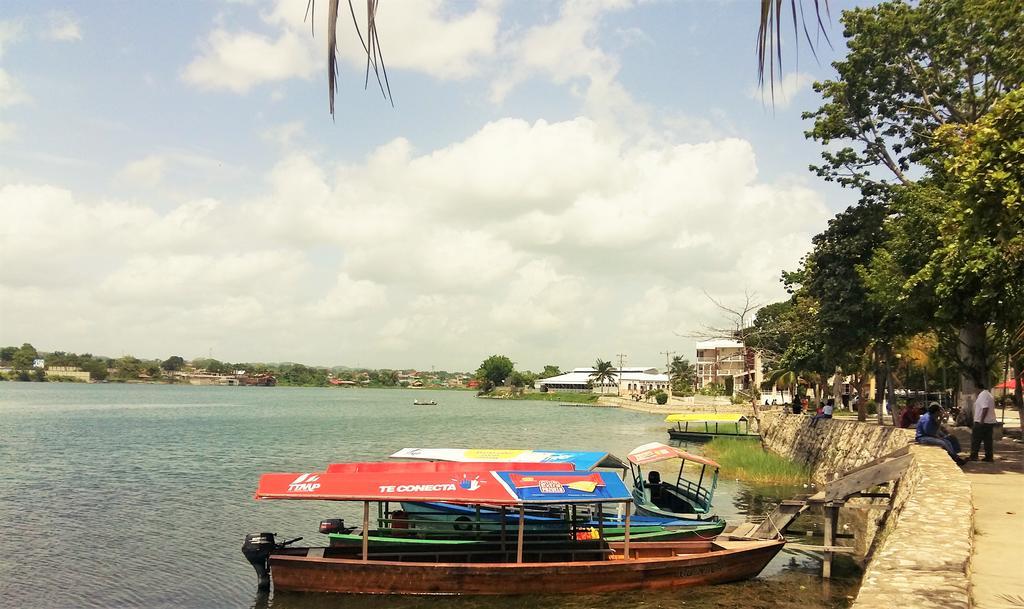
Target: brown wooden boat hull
{"x":662,"y":565}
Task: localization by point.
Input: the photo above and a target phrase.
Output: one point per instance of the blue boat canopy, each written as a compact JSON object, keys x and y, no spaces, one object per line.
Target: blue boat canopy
{"x":580,"y":460}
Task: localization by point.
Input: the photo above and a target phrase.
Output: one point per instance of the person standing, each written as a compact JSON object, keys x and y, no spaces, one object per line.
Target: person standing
{"x":984,"y":422}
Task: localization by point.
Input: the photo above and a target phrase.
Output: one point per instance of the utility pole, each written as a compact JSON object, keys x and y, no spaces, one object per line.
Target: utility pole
{"x":618,"y":379}
{"x":668,"y":368}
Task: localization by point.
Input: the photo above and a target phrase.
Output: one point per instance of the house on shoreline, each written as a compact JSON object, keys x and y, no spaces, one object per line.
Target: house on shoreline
{"x":629,"y":381}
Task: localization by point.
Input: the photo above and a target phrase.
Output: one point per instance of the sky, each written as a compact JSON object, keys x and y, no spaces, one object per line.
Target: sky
{"x":557,"y":181}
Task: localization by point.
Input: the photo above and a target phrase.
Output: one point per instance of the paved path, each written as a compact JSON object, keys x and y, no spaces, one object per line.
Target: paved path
{"x":997,"y":566}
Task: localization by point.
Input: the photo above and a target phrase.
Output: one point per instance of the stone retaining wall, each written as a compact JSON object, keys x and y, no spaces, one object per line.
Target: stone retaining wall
{"x":923,"y":547}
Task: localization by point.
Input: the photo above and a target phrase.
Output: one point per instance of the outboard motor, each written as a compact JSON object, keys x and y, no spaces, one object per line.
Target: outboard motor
{"x":332,"y":525}
{"x":257,"y":548}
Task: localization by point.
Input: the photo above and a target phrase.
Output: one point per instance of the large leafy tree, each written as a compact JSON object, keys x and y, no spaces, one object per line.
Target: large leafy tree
{"x":910,"y":72}
{"x":494,"y":370}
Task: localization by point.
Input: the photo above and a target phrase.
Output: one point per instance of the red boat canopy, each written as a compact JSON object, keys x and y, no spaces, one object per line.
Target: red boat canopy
{"x":464,"y":487}
{"x":656,"y":451}
{"x":392,"y":467}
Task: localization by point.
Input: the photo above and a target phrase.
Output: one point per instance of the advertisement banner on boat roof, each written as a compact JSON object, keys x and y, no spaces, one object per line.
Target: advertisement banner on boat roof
{"x":580,"y":460}
{"x":566,"y":487}
{"x":391,"y":467}
{"x":452,"y":487}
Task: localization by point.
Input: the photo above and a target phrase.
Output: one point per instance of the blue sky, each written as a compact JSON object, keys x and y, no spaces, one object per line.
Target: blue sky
{"x":558,"y":181}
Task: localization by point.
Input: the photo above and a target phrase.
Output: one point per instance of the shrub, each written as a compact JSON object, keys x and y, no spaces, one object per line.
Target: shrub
{"x":661,"y":398}
{"x":872,"y":407}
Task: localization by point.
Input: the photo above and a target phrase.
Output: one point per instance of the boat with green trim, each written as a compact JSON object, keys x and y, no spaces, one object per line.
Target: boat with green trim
{"x":686,"y":497}
{"x":701,"y":427}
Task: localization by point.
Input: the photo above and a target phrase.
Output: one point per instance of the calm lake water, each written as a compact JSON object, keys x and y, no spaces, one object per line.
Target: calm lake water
{"x":139,"y":495}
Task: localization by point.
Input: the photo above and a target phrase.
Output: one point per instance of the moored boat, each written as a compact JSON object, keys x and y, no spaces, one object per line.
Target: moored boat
{"x":424,"y":403}
{"x":513,"y":563}
{"x":685,"y":497}
{"x":701,"y":427}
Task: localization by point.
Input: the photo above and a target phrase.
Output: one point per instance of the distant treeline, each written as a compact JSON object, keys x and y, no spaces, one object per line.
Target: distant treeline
{"x":26,"y":363}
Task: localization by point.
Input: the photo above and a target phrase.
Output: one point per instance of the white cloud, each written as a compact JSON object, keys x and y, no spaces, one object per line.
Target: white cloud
{"x":63,"y":27}
{"x":549,"y":241}
{"x":423,"y":36}
{"x":8,"y":131}
{"x":785,"y":90}
{"x":151,"y":170}
{"x":148,"y":171}
{"x":240,"y":61}
{"x":348,"y":298}
{"x":11,"y":92}
{"x":10,"y":32}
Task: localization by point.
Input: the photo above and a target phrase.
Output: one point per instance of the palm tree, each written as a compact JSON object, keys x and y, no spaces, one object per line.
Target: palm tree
{"x":682,"y":373}
{"x":603,"y":372}
{"x":769,"y":40}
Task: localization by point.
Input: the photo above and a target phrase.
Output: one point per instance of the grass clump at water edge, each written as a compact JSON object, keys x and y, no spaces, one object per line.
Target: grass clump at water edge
{"x":746,"y":460}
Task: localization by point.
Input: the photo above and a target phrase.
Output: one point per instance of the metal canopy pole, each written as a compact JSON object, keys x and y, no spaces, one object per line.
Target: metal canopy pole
{"x":366,"y":531}
{"x":522,"y":522}
{"x":504,"y":557}
{"x":625,"y":545}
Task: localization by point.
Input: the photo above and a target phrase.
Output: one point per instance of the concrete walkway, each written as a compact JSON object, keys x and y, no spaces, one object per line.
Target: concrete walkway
{"x":997,"y":565}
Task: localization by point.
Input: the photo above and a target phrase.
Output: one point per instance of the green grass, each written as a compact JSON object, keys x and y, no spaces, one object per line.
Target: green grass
{"x":746,"y":460}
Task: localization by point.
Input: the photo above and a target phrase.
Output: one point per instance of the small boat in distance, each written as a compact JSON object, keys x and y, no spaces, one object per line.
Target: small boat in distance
{"x":509,"y":562}
{"x":424,"y":403}
{"x":701,"y":427}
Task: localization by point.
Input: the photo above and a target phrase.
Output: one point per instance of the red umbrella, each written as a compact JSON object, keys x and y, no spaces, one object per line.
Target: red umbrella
{"x":1010,"y":384}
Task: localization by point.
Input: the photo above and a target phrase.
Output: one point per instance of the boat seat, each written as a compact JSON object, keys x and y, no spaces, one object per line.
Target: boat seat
{"x":654,"y":484}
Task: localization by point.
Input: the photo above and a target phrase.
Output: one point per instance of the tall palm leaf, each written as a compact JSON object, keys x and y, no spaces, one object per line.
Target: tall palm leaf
{"x":603,"y":372}
{"x":768,"y":47}
{"x":769,"y":35}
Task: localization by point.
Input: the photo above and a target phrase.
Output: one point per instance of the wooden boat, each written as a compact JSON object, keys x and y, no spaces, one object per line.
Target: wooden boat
{"x":701,"y":427}
{"x":511,"y":564}
{"x":685,"y":497}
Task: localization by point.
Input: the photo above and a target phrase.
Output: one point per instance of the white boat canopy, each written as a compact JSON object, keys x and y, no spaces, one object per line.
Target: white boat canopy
{"x":656,"y":451}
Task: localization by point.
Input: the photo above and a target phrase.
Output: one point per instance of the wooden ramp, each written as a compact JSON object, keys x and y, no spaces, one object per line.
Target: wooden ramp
{"x":856,"y":482}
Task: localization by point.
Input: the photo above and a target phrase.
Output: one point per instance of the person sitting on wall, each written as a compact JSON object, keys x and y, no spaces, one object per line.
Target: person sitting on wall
{"x":910,"y":415}
{"x":825,"y":412}
{"x":797,"y":406}
{"x":929,"y":433}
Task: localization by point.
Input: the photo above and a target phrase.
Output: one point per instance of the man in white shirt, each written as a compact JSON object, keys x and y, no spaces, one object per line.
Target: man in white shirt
{"x":984,"y":421}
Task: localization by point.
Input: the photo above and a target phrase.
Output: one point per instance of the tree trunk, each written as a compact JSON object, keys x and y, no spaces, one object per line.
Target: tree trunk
{"x":881,"y":379}
{"x":891,"y":397}
{"x":971,"y":351}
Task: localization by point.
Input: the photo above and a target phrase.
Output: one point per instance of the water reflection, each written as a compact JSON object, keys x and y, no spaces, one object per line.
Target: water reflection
{"x":796,"y":589}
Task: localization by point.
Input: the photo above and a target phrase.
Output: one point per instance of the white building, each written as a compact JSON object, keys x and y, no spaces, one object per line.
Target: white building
{"x":630,"y":381}
{"x":718,"y":359}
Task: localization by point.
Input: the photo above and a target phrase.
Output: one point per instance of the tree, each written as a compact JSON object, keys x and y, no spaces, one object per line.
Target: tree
{"x":550,"y":371}
{"x":24,"y":357}
{"x":495,"y":369}
{"x":603,"y":372}
{"x":910,"y":71}
{"x":96,"y":368}
{"x":7,"y":353}
{"x":683,"y":374}
{"x":173,"y":363}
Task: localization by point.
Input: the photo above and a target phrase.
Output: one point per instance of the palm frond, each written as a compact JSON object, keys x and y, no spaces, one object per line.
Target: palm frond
{"x":769,"y":36}
{"x":370,"y":44}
